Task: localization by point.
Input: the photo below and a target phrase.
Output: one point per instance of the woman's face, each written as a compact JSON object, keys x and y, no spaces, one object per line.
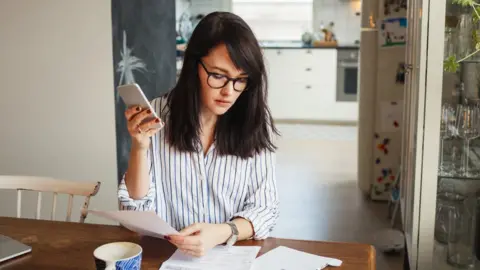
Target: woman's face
{"x":215,"y":70}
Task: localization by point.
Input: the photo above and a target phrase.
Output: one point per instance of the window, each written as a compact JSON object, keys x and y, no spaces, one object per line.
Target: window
{"x":276,"y":19}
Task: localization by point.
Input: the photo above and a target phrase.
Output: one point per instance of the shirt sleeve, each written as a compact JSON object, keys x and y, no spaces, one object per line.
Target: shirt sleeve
{"x":147,"y":203}
{"x":261,"y":204}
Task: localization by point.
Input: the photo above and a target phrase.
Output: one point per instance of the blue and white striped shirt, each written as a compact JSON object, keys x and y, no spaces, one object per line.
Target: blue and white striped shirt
{"x":190,"y":187}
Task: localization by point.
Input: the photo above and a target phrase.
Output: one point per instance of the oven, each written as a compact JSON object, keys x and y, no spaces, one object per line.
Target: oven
{"x":347,"y":74}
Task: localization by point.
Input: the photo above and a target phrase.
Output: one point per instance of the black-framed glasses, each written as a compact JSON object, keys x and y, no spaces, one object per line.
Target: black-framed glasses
{"x":218,"y":81}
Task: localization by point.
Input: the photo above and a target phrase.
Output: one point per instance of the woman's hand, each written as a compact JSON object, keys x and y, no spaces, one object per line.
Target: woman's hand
{"x":198,"y":238}
{"x":139,"y":132}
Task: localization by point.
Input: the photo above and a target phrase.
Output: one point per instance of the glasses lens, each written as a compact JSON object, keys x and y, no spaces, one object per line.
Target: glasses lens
{"x":217,"y":81}
{"x":240,"y":84}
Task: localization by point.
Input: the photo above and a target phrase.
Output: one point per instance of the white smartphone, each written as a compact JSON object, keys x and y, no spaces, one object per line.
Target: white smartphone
{"x":133,"y":95}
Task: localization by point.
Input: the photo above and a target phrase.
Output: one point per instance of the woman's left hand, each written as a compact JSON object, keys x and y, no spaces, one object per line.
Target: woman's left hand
{"x":198,"y":238}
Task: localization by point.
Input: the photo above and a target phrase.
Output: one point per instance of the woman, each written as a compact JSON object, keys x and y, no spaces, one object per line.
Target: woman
{"x":210,"y":172}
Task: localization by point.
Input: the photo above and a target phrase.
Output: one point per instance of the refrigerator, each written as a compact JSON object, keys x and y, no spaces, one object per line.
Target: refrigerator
{"x":381,"y":91}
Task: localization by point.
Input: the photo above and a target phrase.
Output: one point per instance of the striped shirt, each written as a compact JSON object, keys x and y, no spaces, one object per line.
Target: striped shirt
{"x":190,"y":187}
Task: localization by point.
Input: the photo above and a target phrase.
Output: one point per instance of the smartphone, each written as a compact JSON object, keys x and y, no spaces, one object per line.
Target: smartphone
{"x":133,"y":95}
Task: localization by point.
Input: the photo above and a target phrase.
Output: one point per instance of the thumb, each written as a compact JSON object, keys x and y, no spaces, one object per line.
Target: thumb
{"x":190,"y":229}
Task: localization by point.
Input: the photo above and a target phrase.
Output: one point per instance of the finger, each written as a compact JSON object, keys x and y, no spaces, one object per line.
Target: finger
{"x":138,"y":118}
{"x":150,"y":124}
{"x":192,"y":253}
{"x":176,"y":239}
{"x":191,"y":229}
{"x":191,"y":248}
{"x":132,"y":111}
{"x":192,"y":241}
{"x":186,"y":240}
{"x":152,"y":131}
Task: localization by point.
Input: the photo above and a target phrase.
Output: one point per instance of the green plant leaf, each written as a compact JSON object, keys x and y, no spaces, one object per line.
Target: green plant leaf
{"x":463,"y":2}
{"x":450,"y":64}
{"x":476,"y":39}
{"x":476,"y":13}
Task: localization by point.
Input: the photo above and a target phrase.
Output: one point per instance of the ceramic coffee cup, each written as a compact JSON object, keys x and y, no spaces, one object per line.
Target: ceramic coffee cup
{"x":118,"y":256}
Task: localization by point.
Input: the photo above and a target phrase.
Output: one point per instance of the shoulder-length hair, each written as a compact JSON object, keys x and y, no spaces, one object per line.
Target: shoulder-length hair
{"x":247,"y":127}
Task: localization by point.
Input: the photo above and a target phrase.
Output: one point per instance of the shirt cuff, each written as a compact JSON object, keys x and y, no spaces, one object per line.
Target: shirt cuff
{"x":262,"y":220}
{"x":127,"y":203}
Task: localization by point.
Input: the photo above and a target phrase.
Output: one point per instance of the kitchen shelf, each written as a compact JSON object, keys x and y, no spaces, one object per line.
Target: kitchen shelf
{"x":459,"y":177}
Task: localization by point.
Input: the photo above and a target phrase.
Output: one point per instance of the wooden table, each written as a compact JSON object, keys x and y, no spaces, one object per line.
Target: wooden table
{"x":65,"y":245}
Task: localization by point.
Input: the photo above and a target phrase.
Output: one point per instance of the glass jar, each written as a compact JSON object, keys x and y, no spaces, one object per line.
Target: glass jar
{"x":447,"y":201}
{"x":461,"y":235}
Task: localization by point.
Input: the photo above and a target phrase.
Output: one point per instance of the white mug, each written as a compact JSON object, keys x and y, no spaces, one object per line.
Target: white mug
{"x":118,"y":256}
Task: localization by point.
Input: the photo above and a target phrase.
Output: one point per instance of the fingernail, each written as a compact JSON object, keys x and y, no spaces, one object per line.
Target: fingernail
{"x":148,"y":111}
{"x":157,"y":120}
{"x":138,"y":109}
{"x":168,"y":237}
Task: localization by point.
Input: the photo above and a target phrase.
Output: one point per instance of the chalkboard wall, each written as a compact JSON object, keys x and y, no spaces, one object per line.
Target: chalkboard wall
{"x":144,"y":52}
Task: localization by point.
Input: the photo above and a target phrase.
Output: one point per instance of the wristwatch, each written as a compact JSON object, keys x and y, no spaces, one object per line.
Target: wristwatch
{"x":233,"y":238}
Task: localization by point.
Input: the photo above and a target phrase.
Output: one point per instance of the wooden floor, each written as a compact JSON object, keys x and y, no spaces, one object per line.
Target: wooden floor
{"x":319,"y":197}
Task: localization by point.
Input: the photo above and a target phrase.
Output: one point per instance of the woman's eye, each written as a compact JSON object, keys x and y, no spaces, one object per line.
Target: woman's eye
{"x":217,"y":76}
{"x":242,"y":80}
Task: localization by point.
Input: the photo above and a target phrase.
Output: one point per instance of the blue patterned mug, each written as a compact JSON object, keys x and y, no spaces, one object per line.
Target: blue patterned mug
{"x":118,"y":256}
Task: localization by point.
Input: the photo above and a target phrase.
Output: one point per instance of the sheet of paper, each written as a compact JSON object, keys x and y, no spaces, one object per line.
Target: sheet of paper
{"x":142,"y":222}
{"x":284,"y":258}
{"x":218,"y":258}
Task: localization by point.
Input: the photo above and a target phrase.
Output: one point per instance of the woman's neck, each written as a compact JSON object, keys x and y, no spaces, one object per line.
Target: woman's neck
{"x":208,"y":120}
{"x":207,"y":123}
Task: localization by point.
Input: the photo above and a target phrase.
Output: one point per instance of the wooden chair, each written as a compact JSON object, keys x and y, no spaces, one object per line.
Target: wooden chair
{"x":44,"y":184}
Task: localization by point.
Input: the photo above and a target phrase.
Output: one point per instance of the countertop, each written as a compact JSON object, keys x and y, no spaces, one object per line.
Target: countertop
{"x":299,"y":45}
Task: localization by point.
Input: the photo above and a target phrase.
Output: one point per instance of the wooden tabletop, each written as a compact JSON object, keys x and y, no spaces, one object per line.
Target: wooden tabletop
{"x":66,"y":245}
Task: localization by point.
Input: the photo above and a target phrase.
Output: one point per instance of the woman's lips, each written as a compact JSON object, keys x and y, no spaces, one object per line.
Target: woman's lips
{"x":222,"y":103}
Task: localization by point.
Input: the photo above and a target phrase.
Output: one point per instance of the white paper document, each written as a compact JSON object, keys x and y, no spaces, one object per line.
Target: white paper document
{"x":142,"y":222}
{"x":218,"y":258}
{"x":284,"y":258}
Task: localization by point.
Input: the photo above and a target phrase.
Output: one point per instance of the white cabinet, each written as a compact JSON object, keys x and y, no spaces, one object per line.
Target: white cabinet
{"x":302,"y":85}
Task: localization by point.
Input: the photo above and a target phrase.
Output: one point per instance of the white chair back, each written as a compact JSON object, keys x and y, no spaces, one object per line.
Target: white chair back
{"x":45,"y":184}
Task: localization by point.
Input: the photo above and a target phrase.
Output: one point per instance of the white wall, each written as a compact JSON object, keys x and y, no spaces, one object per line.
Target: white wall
{"x":56,"y":98}
{"x":208,"y":6}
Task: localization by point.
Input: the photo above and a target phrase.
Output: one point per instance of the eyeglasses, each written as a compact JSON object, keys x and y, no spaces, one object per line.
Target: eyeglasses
{"x":218,"y":81}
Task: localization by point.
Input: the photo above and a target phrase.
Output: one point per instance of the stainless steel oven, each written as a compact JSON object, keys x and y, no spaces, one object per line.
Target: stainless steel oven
{"x":347,"y":74}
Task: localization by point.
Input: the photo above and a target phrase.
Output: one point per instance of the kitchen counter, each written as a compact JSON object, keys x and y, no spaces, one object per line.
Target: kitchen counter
{"x":299,"y":45}
{"x":340,"y":47}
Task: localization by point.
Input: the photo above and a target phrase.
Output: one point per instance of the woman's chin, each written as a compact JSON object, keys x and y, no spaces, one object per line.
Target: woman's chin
{"x":220,"y":111}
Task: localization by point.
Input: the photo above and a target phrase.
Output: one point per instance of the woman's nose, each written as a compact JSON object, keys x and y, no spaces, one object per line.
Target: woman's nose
{"x":228,"y":89}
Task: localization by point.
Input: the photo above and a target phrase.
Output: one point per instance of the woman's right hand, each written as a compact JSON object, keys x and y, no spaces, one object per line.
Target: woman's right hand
{"x":139,"y":132}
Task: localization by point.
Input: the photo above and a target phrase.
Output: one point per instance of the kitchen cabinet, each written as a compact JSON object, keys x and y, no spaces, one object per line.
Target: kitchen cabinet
{"x":302,"y":85}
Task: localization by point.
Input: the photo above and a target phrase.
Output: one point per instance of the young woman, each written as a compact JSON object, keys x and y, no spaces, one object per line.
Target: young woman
{"x":210,"y":172}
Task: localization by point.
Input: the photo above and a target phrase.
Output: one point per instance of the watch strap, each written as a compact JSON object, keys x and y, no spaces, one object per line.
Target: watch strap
{"x":233,"y":238}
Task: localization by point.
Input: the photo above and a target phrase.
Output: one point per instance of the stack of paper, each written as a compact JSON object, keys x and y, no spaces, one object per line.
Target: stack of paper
{"x":284,"y":258}
{"x":218,"y":258}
